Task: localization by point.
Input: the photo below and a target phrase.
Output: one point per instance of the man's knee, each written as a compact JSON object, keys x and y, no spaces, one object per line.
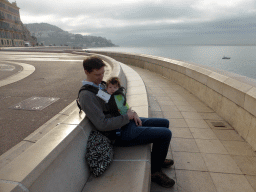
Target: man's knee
{"x":167,"y":123}
{"x":167,"y":133}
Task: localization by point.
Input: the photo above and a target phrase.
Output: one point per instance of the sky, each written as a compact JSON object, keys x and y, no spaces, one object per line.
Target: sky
{"x":149,"y":22}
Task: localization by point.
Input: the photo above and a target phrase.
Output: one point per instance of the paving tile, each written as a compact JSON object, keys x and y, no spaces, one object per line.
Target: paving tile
{"x":247,"y":164}
{"x":172,"y":93}
{"x":196,"y":123}
{"x":184,"y":145}
{"x":191,"y":115}
{"x":194,"y":181}
{"x":228,"y":135}
{"x":198,"y":104}
{"x":221,"y":163}
{"x":211,"y":146}
{"x":238,"y":148}
{"x":154,"y":107}
{"x":186,"y":108}
{"x":252,"y":181}
{"x":12,"y":186}
{"x":161,"y":98}
{"x":181,"y":133}
{"x":177,"y":123}
{"x":177,"y":103}
{"x":201,"y":107}
{"x":211,"y":116}
{"x":191,"y":98}
{"x":178,"y":98}
{"x":189,"y":161}
{"x":169,"y":108}
{"x":172,"y":115}
{"x":167,"y":103}
{"x":231,"y":183}
{"x":203,"y":133}
{"x":157,"y":114}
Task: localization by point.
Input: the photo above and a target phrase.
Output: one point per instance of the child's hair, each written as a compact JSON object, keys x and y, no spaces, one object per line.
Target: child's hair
{"x":114,"y":81}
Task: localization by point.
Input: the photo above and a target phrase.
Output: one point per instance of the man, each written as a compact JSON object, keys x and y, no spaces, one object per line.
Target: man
{"x":134,"y":130}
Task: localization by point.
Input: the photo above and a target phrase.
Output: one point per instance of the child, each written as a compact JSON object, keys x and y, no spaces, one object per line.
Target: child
{"x":114,"y":87}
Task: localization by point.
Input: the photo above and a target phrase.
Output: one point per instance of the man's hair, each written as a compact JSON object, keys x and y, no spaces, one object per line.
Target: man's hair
{"x":114,"y":81}
{"x":92,"y":63}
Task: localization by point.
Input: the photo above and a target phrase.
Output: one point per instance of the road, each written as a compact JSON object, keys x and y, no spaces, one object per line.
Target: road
{"x":55,"y":75}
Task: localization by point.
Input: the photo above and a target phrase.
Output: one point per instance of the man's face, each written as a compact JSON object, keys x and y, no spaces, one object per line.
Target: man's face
{"x":96,"y":75}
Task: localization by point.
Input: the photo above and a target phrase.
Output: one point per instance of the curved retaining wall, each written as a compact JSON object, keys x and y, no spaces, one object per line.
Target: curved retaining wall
{"x":233,"y":100}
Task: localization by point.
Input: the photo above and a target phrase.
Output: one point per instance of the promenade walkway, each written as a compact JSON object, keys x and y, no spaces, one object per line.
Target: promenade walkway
{"x":209,"y":155}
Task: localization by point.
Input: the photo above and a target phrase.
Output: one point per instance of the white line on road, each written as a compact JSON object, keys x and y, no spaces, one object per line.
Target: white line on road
{"x":27,"y":70}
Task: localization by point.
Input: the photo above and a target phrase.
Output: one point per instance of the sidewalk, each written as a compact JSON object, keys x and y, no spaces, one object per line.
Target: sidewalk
{"x":208,"y":153}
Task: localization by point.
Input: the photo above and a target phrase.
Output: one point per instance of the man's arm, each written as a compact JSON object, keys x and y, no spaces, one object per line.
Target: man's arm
{"x":93,"y":109}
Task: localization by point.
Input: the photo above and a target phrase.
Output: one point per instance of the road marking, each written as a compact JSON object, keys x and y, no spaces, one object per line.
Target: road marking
{"x":27,"y":70}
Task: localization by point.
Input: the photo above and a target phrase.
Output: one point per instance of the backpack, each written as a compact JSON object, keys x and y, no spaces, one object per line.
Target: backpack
{"x":99,"y":153}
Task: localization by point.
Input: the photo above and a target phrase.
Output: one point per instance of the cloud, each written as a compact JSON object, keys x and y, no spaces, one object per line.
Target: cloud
{"x":146,"y":21}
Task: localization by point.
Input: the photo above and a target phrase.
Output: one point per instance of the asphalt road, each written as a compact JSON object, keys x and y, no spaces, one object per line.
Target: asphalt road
{"x":56,"y":75}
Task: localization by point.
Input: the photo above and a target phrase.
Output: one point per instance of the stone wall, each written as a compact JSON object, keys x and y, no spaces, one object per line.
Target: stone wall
{"x":233,"y":100}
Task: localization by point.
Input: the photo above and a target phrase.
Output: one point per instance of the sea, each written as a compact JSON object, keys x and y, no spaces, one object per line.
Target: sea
{"x":241,"y":65}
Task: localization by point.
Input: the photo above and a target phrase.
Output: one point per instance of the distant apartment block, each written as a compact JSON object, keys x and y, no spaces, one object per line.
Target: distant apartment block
{"x":10,"y":25}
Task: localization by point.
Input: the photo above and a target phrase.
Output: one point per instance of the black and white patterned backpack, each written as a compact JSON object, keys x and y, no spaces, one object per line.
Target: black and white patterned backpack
{"x":99,"y":154}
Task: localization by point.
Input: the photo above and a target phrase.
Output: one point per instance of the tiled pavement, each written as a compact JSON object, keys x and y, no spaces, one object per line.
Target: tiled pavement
{"x":207,"y":158}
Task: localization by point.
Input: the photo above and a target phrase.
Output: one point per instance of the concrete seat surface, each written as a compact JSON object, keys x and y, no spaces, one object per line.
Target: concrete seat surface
{"x":126,"y":173}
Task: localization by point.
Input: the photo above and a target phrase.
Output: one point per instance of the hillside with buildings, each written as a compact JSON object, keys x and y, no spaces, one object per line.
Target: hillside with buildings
{"x":52,"y":35}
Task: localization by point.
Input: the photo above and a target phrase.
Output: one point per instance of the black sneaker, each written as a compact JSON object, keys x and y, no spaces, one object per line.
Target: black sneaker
{"x":161,"y":179}
{"x":167,"y":163}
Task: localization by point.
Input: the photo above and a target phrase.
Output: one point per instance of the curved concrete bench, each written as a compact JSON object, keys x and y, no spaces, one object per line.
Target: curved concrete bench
{"x":230,"y":97}
{"x":54,"y":159}
{"x":130,"y":170}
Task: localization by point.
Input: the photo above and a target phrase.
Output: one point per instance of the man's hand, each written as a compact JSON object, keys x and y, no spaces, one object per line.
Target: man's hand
{"x":130,"y":114}
{"x":137,"y":120}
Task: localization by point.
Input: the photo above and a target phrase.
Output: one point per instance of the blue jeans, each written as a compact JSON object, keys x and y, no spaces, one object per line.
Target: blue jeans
{"x":153,"y":130}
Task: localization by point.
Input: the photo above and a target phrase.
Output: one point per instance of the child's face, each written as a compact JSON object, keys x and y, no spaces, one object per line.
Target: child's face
{"x":112,"y":88}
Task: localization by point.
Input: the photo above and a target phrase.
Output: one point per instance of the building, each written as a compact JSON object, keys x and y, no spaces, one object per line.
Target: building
{"x":10,"y":25}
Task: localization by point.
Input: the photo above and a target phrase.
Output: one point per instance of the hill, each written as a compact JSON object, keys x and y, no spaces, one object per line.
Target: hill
{"x":42,"y":27}
{"x":53,"y":35}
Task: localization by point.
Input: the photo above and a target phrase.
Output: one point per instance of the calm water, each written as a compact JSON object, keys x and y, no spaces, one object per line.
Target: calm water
{"x":242,"y":62}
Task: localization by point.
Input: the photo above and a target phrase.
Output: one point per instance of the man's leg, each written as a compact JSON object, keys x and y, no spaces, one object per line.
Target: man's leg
{"x":155,"y":122}
{"x":158,"y":122}
{"x":156,"y":132}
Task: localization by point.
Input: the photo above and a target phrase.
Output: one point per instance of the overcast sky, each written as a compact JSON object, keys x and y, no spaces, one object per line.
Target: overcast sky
{"x":146,"y":22}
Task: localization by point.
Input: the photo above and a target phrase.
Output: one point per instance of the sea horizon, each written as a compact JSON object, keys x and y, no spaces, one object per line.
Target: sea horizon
{"x":241,"y":65}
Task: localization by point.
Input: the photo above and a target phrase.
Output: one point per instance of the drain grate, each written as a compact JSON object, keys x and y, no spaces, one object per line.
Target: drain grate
{"x":34,"y":103}
{"x":218,"y":124}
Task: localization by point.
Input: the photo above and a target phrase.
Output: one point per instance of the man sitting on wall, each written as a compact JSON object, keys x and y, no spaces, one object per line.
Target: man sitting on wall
{"x":134,"y":130}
